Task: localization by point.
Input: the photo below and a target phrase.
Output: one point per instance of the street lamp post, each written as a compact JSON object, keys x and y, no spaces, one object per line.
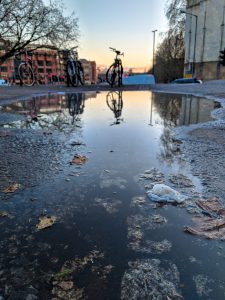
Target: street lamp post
{"x":153,"y":55}
{"x":196,"y":28}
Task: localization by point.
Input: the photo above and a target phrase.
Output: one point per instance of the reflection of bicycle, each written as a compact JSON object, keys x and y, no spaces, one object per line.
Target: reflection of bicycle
{"x":115,"y":103}
{"x":115,"y":72}
{"x":74,"y":69}
{"x":25,"y":70}
{"x":76,"y":105}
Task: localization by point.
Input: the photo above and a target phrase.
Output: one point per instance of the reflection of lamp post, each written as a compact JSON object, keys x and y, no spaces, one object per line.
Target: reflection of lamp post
{"x":153,"y":58}
{"x":151,"y":110}
{"x":196,"y":27}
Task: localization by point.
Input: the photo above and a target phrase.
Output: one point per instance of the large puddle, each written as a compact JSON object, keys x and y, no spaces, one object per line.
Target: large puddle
{"x":83,"y":163}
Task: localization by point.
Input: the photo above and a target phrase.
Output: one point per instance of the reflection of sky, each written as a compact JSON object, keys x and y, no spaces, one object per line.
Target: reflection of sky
{"x":157,"y":110}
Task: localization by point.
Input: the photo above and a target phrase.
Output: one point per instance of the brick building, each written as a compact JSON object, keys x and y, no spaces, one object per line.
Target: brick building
{"x":90,"y":72}
{"x":48,"y":65}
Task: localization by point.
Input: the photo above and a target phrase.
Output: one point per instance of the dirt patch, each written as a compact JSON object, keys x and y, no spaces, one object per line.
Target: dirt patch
{"x":204,"y":148}
{"x":215,"y":135}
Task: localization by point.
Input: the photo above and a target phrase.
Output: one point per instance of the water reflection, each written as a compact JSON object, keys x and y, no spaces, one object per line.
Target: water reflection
{"x":176,"y":110}
{"x":76,"y":104}
{"x":58,"y":111}
{"x":114,"y":101}
{"x":170,"y":111}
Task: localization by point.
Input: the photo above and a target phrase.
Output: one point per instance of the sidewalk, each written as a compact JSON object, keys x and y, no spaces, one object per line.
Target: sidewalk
{"x":213,"y":88}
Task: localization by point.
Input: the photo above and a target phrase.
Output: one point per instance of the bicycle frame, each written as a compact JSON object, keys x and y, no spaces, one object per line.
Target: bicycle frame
{"x":73,"y":54}
{"x":115,"y":71}
{"x":25,"y":67}
{"x":74,"y":68}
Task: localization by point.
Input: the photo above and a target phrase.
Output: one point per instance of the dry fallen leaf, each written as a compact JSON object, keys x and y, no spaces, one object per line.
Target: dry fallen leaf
{"x":12,"y":188}
{"x":45,"y":222}
{"x":79,"y":160}
{"x":211,"y":224}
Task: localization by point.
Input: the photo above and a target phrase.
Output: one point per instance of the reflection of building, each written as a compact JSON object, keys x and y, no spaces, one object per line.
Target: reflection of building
{"x":195,"y":110}
{"x":174,"y":110}
{"x":43,"y":104}
{"x":210,"y":37}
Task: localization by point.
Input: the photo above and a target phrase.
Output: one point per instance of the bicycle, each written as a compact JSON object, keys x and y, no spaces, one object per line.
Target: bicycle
{"x":115,"y":71}
{"x":74,"y":69}
{"x":25,"y":70}
{"x":116,"y":105}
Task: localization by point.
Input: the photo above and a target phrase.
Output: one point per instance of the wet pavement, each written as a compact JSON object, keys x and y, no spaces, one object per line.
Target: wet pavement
{"x":75,"y":218}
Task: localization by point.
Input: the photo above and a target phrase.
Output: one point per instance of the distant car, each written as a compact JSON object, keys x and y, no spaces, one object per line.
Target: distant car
{"x":3,"y":82}
{"x":187,"y":80}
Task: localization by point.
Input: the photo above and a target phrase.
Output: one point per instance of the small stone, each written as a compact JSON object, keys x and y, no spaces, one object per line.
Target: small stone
{"x":31,"y":297}
{"x":66,"y":285}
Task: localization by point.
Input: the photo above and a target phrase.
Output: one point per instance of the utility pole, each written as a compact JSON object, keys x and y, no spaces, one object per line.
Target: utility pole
{"x":153,"y":54}
{"x":196,"y":29}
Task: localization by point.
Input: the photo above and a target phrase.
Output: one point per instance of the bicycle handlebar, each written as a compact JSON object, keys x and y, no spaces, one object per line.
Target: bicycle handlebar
{"x":117,"y":51}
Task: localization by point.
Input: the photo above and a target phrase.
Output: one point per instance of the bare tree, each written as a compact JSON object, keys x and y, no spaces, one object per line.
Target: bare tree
{"x":174,"y":16}
{"x":170,"y":52}
{"x":31,"y":22}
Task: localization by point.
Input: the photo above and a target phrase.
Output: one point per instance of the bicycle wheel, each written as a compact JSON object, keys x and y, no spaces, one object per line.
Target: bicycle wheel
{"x":71,"y":73}
{"x":26,"y":74}
{"x":111,"y":75}
{"x":80,"y":73}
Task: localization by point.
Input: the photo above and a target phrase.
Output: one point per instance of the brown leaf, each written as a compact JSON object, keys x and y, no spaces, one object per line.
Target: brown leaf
{"x":212,"y":226}
{"x":212,"y":205}
{"x":79,"y":160}
{"x":45,"y":222}
{"x":12,"y":188}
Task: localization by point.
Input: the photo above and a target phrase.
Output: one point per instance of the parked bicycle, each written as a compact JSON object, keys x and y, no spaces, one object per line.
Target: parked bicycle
{"x":25,"y":69}
{"x":114,"y":101}
{"x":115,"y":71}
{"x":74,"y":69}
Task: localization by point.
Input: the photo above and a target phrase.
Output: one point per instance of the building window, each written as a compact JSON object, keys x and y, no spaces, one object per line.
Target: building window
{"x":3,"y":69}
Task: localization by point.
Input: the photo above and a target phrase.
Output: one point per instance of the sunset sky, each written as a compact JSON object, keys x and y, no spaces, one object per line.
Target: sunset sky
{"x":123,"y":24}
